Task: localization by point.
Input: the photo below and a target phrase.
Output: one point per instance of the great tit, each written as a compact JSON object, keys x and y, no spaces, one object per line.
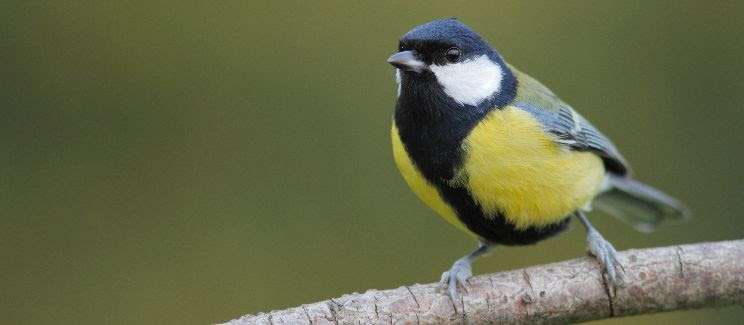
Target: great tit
{"x":498,"y":155}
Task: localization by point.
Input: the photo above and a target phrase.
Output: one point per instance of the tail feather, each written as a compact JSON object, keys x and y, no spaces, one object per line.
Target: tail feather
{"x":638,"y":204}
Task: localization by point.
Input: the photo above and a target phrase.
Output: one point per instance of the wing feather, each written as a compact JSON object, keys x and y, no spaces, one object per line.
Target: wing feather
{"x":569,"y":127}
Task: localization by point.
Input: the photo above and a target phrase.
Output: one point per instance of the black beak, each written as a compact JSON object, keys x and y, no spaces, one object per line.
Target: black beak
{"x":406,"y":61}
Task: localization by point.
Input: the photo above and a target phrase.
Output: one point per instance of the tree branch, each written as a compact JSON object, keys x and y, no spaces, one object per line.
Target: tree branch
{"x":657,"y":279}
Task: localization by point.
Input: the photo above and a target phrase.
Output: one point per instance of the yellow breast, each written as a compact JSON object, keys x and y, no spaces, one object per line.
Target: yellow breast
{"x":513,"y":167}
{"x":420,"y":186}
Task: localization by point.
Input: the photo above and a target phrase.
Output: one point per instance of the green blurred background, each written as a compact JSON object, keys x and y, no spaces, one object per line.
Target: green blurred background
{"x":191,"y":161}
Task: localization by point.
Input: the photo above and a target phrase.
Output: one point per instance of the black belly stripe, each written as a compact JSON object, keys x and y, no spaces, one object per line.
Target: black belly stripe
{"x":432,"y":128}
{"x":495,"y":229}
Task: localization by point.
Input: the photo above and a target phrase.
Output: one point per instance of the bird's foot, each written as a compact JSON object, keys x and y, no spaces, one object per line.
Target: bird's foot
{"x":458,"y":274}
{"x":607,"y":257}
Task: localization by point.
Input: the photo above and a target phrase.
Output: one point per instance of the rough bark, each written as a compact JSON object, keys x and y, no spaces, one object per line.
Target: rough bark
{"x":657,"y":279}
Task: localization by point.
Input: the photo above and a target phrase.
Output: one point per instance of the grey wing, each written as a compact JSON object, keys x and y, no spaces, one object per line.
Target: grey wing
{"x":575,"y":132}
{"x":631,"y":201}
{"x":569,"y":128}
{"x":638,"y":204}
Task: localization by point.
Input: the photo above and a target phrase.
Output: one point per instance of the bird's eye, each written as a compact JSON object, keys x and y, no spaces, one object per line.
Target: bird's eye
{"x":453,"y":54}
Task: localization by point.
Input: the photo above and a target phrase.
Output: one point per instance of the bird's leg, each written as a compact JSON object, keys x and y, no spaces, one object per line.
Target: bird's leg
{"x":461,"y":270}
{"x":603,"y":251}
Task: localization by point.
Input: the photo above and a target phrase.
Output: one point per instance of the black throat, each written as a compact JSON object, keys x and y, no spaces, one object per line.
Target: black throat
{"x":432,"y":125}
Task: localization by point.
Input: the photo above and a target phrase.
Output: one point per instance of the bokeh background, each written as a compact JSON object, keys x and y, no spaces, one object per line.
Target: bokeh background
{"x":192,"y":161}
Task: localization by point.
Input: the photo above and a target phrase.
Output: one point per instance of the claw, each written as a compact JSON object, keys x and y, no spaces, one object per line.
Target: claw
{"x":607,"y":257}
{"x":461,"y":271}
{"x":458,"y":274}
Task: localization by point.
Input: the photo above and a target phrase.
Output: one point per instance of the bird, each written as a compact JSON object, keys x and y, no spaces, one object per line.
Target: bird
{"x":498,"y":155}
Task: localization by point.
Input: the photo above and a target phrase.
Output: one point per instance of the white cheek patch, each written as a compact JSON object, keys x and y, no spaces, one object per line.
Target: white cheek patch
{"x":469,"y":82}
{"x":397,"y":80}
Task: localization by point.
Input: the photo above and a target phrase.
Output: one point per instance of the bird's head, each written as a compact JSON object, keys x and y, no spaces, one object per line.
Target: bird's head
{"x":449,"y":55}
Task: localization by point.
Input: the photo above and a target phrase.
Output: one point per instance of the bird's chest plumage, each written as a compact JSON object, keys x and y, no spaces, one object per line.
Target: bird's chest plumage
{"x":454,"y":202}
{"x":506,"y":164}
{"x":445,"y":152}
{"x":511,"y":166}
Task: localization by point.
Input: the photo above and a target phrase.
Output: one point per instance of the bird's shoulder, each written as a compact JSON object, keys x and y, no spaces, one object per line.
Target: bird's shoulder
{"x":568,"y":126}
{"x":533,"y":92}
